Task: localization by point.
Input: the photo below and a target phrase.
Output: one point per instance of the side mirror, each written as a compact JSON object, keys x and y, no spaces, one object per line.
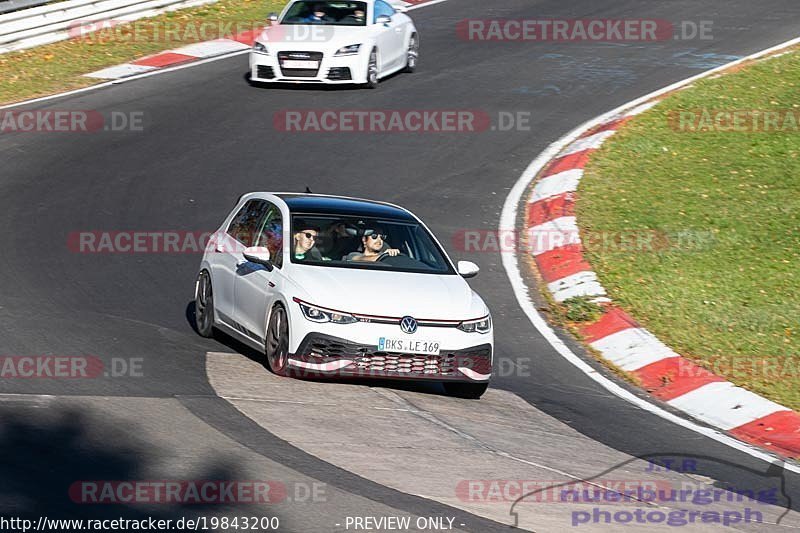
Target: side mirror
{"x":272,"y":17}
{"x":468,"y":269}
{"x":383,"y":19}
{"x":258,"y":255}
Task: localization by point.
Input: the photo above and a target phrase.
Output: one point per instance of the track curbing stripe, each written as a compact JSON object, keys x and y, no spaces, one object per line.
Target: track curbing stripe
{"x":725,"y":405}
{"x":541,"y":211}
{"x":672,"y":377}
{"x":582,"y":283}
{"x":557,"y":233}
{"x":632,"y":348}
{"x":589,"y":142}
{"x":556,"y":184}
{"x":164,"y":59}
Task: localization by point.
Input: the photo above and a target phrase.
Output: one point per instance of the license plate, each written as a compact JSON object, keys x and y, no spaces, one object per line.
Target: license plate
{"x":408,"y":346}
{"x":293,"y":63}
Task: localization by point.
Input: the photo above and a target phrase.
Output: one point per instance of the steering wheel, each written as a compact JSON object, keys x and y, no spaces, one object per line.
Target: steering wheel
{"x":383,"y":256}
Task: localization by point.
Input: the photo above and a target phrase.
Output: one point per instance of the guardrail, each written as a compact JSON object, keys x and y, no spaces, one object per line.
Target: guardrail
{"x":7,"y":6}
{"x":54,"y":22}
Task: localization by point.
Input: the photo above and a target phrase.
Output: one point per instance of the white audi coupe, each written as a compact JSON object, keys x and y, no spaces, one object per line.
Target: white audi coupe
{"x":334,"y":41}
{"x":328,"y":286}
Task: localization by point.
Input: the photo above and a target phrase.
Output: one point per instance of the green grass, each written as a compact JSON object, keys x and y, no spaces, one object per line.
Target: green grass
{"x":60,"y":66}
{"x":722,"y":287}
{"x":581,"y":309}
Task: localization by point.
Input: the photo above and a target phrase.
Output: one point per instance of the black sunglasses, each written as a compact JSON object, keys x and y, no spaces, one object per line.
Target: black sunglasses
{"x":376,"y":236}
{"x":309,"y":235}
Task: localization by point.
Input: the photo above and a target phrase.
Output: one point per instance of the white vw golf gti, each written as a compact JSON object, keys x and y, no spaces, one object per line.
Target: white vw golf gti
{"x":333,"y":286}
{"x":335,"y":42}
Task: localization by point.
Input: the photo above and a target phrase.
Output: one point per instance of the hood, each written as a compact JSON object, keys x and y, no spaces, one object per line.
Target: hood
{"x":313,"y":37}
{"x":395,"y":294}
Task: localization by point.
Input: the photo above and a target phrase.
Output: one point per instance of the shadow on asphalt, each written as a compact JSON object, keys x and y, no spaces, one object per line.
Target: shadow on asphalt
{"x":50,"y":455}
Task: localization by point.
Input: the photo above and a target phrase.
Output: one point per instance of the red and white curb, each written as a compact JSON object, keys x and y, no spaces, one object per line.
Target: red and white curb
{"x":186,"y":54}
{"x":204,"y":50}
{"x":550,"y":211}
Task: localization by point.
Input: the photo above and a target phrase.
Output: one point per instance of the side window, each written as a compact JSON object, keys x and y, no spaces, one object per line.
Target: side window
{"x":270,"y":235}
{"x":382,"y":8}
{"x":244,"y":225}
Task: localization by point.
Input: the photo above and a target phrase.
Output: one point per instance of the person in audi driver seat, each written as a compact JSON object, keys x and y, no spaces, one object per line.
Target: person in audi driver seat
{"x":305,"y":238}
{"x":318,"y":16}
{"x":375,"y":245}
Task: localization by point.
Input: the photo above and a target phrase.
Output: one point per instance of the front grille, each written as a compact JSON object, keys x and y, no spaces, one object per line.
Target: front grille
{"x":304,"y":56}
{"x":301,"y":56}
{"x":339,"y":73}
{"x":408,"y":364}
{"x":318,"y":348}
{"x":265,"y":72}
{"x":299,"y":72}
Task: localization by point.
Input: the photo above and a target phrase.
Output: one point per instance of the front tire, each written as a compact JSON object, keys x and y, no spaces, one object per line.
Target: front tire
{"x":277,"y":344}
{"x":412,"y":56}
{"x":204,"y":305}
{"x":468,"y":391}
{"x":372,"y":70}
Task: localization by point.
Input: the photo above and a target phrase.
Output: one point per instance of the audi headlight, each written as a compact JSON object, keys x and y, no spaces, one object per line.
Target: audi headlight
{"x":321,"y":315}
{"x":481,"y":325}
{"x":261,"y":48}
{"x":348,"y":50}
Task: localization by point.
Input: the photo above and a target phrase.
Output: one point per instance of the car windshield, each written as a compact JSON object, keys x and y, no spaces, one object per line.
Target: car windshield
{"x":358,"y":242}
{"x":327,"y":13}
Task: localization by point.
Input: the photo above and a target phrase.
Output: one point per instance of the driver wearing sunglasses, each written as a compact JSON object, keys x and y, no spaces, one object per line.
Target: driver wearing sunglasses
{"x":305,"y":238}
{"x":374,"y":242}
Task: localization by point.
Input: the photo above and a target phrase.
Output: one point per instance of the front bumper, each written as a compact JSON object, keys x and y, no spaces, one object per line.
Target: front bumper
{"x":332,"y":70}
{"x":321,"y":355}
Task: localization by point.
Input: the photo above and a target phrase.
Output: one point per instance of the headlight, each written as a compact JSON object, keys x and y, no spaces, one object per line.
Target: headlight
{"x":348,"y":50}
{"x":481,"y":325}
{"x":320,"y":314}
{"x":261,"y":48}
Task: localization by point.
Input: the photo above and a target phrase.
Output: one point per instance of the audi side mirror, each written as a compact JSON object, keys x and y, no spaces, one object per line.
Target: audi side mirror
{"x":383,"y":19}
{"x":272,"y":17}
{"x":468,"y":269}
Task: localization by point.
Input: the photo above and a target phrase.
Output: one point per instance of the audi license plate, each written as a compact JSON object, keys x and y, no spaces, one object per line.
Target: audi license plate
{"x":294,"y":63}
{"x":408,"y":346}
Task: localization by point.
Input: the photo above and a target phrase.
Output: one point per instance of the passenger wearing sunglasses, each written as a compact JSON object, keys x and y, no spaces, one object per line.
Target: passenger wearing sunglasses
{"x":305,"y":238}
{"x":374,"y":242}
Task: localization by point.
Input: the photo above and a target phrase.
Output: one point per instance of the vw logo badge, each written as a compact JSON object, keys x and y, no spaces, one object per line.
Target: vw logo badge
{"x":408,"y":324}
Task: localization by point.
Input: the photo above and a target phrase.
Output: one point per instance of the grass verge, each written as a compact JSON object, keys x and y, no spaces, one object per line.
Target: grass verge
{"x":60,"y":66}
{"x":720,"y":285}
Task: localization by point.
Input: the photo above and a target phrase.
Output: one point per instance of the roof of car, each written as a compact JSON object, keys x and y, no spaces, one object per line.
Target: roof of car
{"x":338,"y":205}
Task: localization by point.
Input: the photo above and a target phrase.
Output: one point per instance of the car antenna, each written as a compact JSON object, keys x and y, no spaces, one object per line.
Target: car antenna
{"x":308,"y":191}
